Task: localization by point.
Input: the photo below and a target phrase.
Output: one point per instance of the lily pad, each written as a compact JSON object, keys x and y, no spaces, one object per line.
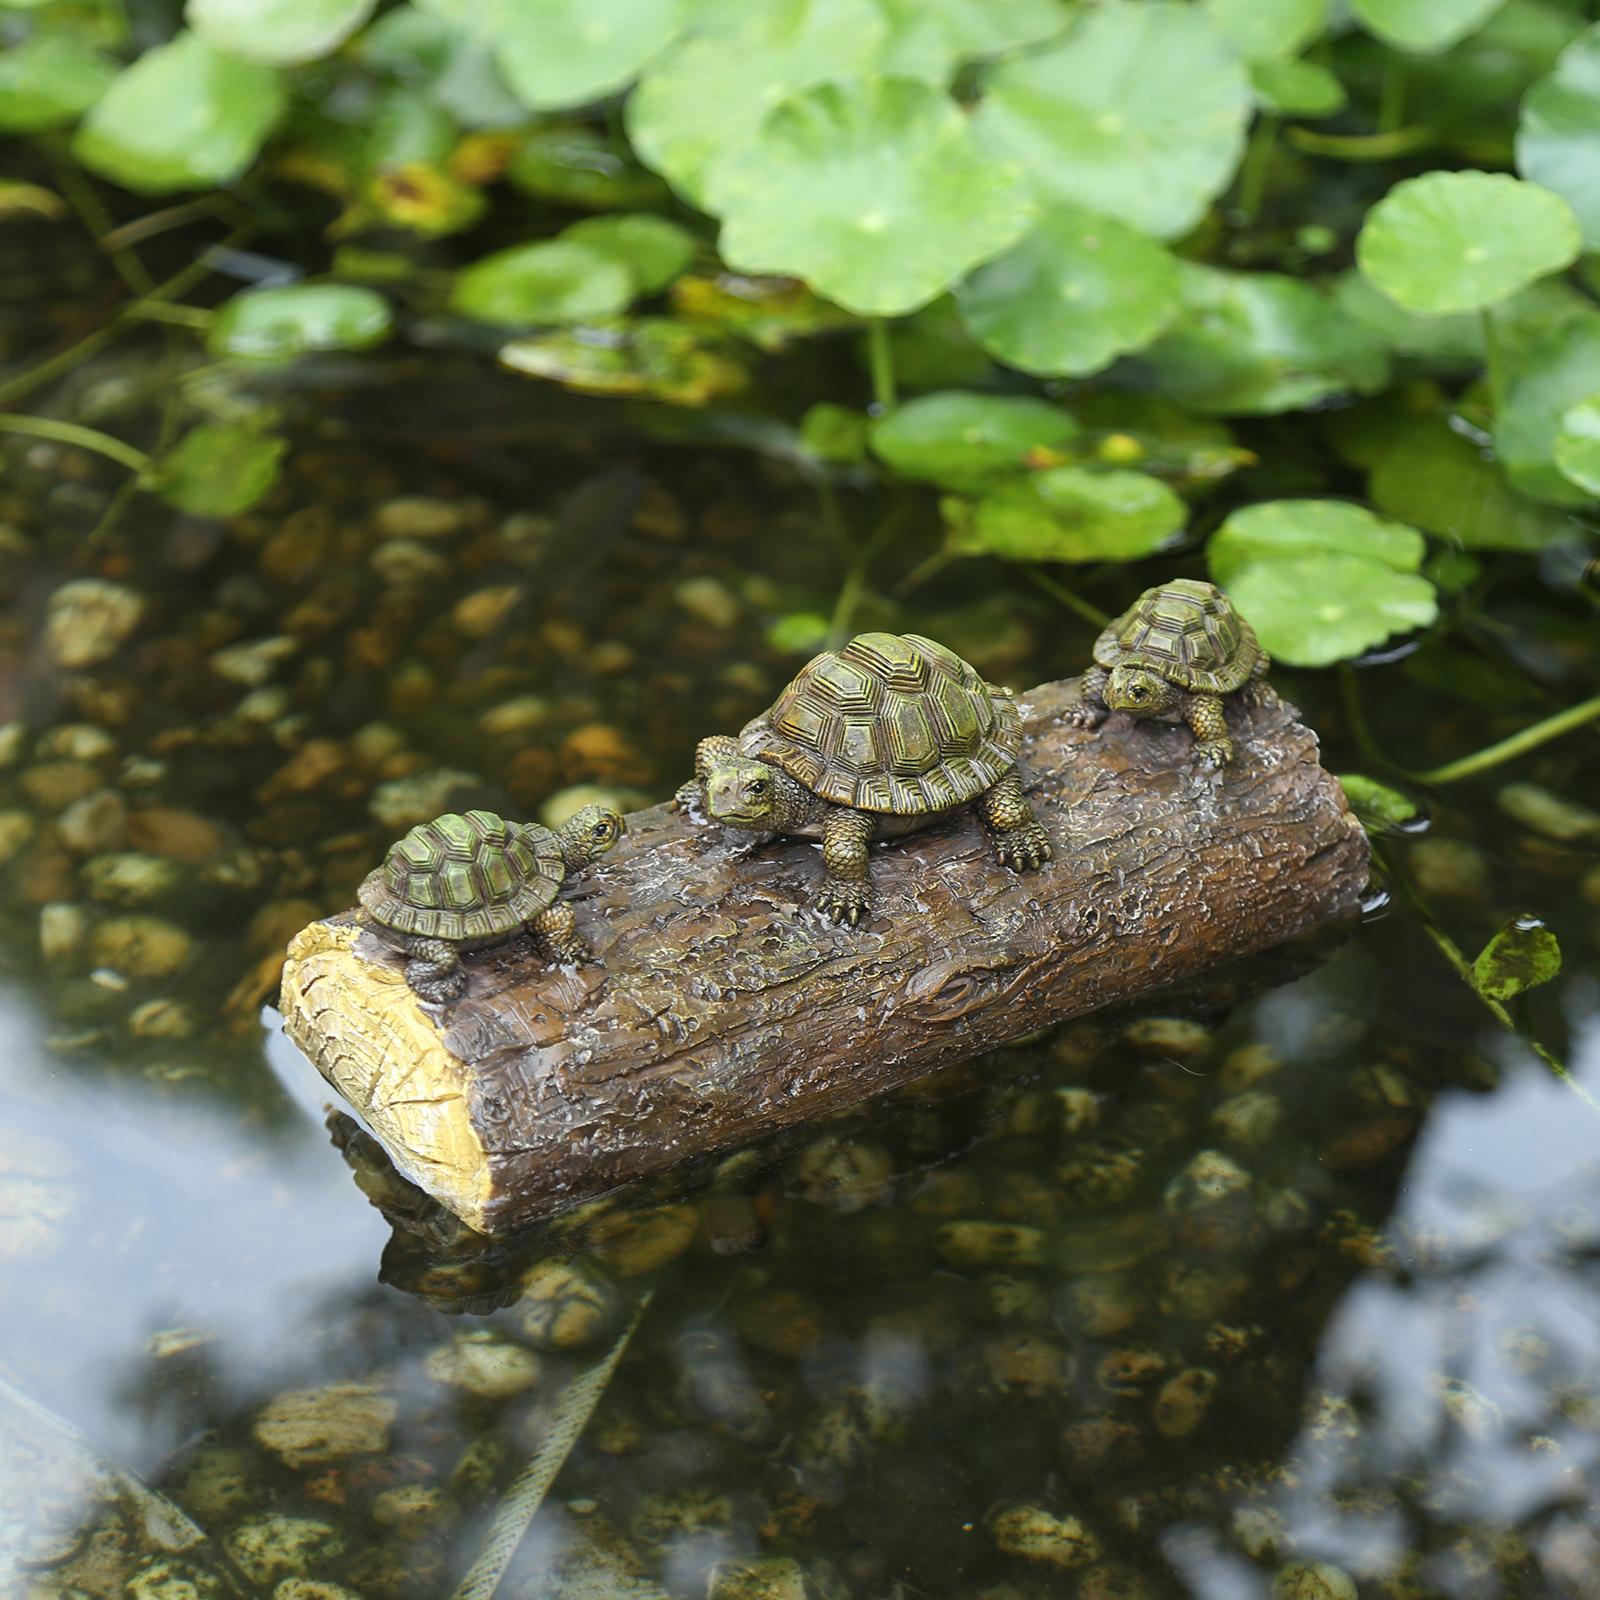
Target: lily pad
{"x":1423,"y":27}
{"x":1379,"y":808}
{"x":1453,"y":341}
{"x":1267,"y":29}
{"x":930,"y":39}
{"x":1577,"y":449}
{"x":49,"y":81}
{"x":273,"y":325}
{"x":183,"y":116}
{"x":872,"y":191}
{"x":552,"y":281}
{"x":966,"y":440}
{"x":1558,"y":137}
{"x":1068,"y":514}
{"x":653,"y":250}
{"x":1079,"y":290}
{"x":1297,"y":88}
{"x":1522,"y":955}
{"x":454,"y":69}
{"x":712,"y":89}
{"x":1258,"y":343}
{"x":1543,"y":378}
{"x":835,"y":434}
{"x":1153,"y":434}
{"x":1321,"y":580}
{"x":575,"y":166}
{"x":651,"y":358}
{"x":769,"y":312}
{"x":562,"y":53}
{"x":1140,"y":113}
{"x":219,"y":469}
{"x":1461,"y":241}
{"x":280,"y":33}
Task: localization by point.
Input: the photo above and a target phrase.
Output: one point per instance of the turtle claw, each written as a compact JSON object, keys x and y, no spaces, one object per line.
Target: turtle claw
{"x":1214,"y":754}
{"x":1084,"y":715}
{"x":1027,"y":848}
{"x":687,"y":796}
{"x":845,"y":903}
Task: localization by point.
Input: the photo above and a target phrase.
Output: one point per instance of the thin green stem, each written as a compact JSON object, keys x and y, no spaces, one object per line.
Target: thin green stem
{"x":929,"y":567}
{"x":159,"y":311}
{"x":97,"y":220}
{"x":844,"y":608}
{"x":1257,"y":161}
{"x":72,"y":433}
{"x":1059,"y":591}
{"x":1507,"y":749}
{"x":880,"y":357}
{"x":1392,"y":99}
{"x":1355,"y":716}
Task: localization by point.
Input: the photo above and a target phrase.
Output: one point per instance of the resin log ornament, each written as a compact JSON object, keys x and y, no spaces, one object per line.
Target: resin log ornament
{"x":721,"y":1005}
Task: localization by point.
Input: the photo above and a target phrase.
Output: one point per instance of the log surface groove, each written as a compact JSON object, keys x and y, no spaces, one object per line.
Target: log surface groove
{"x":721,"y":1005}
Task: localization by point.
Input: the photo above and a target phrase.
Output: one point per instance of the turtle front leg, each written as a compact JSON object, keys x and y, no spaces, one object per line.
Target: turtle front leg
{"x":434,"y":970}
{"x":717,"y":747}
{"x":1019,"y":836}
{"x":846,"y":893}
{"x":1204,"y":713}
{"x":1258,"y":675}
{"x":1091,"y":709}
{"x":555,"y":933}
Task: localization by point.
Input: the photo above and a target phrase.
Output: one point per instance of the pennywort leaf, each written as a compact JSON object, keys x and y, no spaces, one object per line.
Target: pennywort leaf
{"x":1068,"y":514}
{"x":278,"y":32}
{"x":273,"y":325}
{"x":1522,"y":955}
{"x":1577,"y":446}
{"x":1558,"y":139}
{"x":219,"y":469}
{"x":963,"y":441}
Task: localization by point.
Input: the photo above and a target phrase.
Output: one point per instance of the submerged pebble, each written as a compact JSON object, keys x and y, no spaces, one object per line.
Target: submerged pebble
{"x":1035,"y":1534}
{"x":95,"y":824}
{"x":565,"y":1306}
{"x":269,"y":1547}
{"x":1313,"y":1580}
{"x":88,"y":620}
{"x":1565,"y":821}
{"x":773,"y":1578}
{"x":484,"y":1365}
{"x":140,"y":946}
{"x":129,"y":878}
{"x":307,"y":1426}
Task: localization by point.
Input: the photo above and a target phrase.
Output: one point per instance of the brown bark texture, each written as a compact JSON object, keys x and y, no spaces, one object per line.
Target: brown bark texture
{"x":721,"y":1005}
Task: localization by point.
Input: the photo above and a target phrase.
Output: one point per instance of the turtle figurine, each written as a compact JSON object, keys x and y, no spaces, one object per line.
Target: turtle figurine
{"x":466,"y":881}
{"x":872,"y":741}
{"x":1173,"y":654}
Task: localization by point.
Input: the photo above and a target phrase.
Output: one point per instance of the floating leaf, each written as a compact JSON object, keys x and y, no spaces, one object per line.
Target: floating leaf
{"x":272,"y":325}
{"x":49,"y":81}
{"x":1423,"y":27}
{"x":1522,"y":955}
{"x":1454,"y":341}
{"x":455,"y":71}
{"x":219,"y":469}
{"x":934,"y":349}
{"x":652,"y":357}
{"x":929,"y":39}
{"x":1140,"y":113}
{"x":1578,"y":445}
{"x":1297,"y":88}
{"x":1258,"y":343}
{"x":562,"y":53}
{"x":799,"y":632}
{"x":280,"y":33}
{"x":1543,"y":378}
{"x":1153,"y":434}
{"x":653,"y":250}
{"x":1321,"y":580}
{"x":1460,"y":241}
{"x":1480,"y":81}
{"x":180,"y":117}
{"x":1078,"y":291}
{"x":549,"y":282}
{"x":1380,"y":808}
{"x":834,"y":433}
{"x":1558,"y":137}
{"x":579,"y":167}
{"x":769,"y":312}
{"x":709,"y":93}
{"x":873,"y":192}
{"x":1068,"y":514}
{"x":966,"y":440}
{"x":1263,"y":29}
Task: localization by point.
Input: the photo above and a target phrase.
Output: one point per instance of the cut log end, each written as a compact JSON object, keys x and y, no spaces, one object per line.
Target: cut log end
{"x":720,"y":1005}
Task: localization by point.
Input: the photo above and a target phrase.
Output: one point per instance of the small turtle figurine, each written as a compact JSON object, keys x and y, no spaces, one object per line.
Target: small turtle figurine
{"x":468,"y":881}
{"x":875,"y":740}
{"x":1173,"y":654}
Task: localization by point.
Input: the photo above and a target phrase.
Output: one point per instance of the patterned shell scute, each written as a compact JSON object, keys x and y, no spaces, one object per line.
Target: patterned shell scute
{"x":469,"y":875}
{"x":891,"y":723}
{"x":1188,"y":632}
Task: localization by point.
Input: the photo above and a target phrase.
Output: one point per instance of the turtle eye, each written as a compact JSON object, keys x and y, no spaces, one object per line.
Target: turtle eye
{"x":757,"y":786}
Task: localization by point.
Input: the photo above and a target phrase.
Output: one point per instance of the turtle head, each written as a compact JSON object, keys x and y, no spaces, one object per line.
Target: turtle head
{"x":1139,"y":691}
{"x":587,"y":834}
{"x":743,"y":793}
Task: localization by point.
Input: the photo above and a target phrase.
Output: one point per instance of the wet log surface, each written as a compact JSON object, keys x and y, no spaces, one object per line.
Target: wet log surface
{"x":722,"y":1005}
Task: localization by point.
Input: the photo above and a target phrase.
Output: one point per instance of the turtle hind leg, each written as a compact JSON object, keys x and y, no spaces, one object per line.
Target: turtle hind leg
{"x":1091,"y":709}
{"x":555,"y":932}
{"x":710,"y":750}
{"x":1019,"y":837}
{"x":433,"y":969}
{"x":846,"y":893}
{"x":1204,"y":713}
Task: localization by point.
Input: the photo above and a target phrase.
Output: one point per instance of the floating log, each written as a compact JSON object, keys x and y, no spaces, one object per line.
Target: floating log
{"x":722,"y":1006}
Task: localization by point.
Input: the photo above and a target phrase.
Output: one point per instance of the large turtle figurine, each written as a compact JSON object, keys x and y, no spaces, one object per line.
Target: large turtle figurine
{"x":466,"y":881}
{"x":1173,"y":654}
{"x":872,"y":741}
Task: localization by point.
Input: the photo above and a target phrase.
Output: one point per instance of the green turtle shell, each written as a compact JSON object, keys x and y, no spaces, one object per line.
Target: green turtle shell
{"x":459,"y":877}
{"x":1188,"y":632}
{"x":891,"y":723}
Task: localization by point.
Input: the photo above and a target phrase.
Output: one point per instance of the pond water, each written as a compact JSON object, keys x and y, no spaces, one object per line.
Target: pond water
{"x":1304,"y":1295}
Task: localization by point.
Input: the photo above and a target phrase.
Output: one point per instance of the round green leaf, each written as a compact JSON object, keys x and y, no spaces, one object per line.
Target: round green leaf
{"x":561,"y":53}
{"x":456,"y":71}
{"x":871,"y":191}
{"x":50,"y":80}
{"x":1543,"y":378}
{"x":929,"y":39}
{"x":1423,"y":27}
{"x":653,"y":250}
{"x":550,"y":282}
{"x":579,"y":167}
{"x":1558,"y":139}
{"x":272,"y":325}
{"x":965,"y":440}
{"x":180,"y":117}
{"x":834,"y":433}
{"x":1321,"y":580}
{"x":1454,"y":341}
{"x":1522,"y":955}
{"x":1078,"y":291}
{"x":711,"y":90}
{"x":1264,"y":29}
{"x":1460,"y":241}
{"x":1296,"y":88}
{"x":1069,"y":514}
{"x":1379,"y":807}
{"x":278,"y":32}
{"x":219,"y":469}
{"x":1139,"y":113}
{"x":1578,"y":445}
{"x":1258,"y":343}
{"x":653,"y":357}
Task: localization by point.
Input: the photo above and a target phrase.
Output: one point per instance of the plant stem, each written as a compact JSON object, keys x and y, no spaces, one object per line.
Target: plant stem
{"x":1392,"y":100}
{"x":148,"y":310}
{"x":97,"y":221}
{"x":1059,"y":591}
{"x":881,"y":360}
{"x":1253,"y":174}
{"x":849,"y":597}
{"x":1529,"y":739}
{"x":1355,"y":714}
{"x":71,"y":433}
